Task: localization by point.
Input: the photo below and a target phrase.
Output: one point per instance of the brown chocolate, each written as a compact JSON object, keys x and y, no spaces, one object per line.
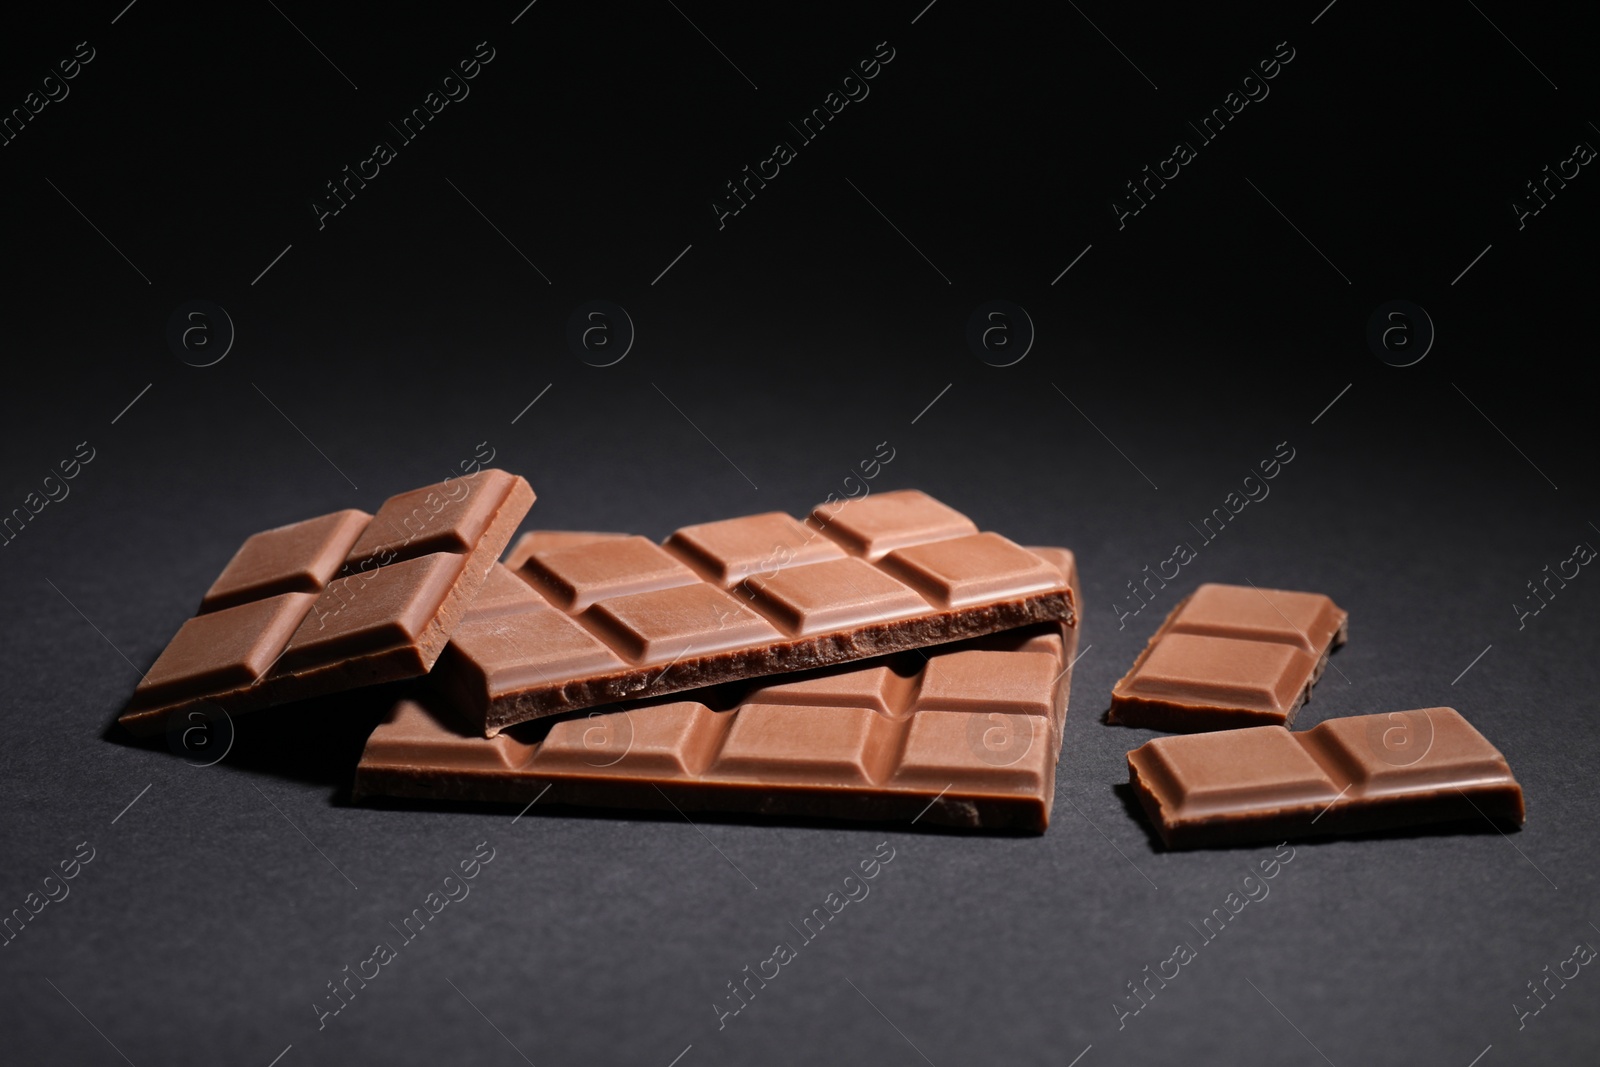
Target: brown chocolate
{"x":335,"y":602}
{"x":963,"y":735}
{"x":1347,"y":775}
{"x":609,"y":617}
{"x":1230,"y":656}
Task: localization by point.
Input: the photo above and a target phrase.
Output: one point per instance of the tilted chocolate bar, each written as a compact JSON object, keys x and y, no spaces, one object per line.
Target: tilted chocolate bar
{"x":335,"y":602}
{"x":609,"y":617}
{"x":1230,"y":656}
{"x":962,"y":735}
{"x":1348,"y":775}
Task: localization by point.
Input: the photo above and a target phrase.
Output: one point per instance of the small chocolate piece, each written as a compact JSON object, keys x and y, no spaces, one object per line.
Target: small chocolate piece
{"x":335,"y":602}
{"x":962,"y":735}
{"x":1348,"y":775}
{"x":1230,"y":656}
{"x":611,"y":617}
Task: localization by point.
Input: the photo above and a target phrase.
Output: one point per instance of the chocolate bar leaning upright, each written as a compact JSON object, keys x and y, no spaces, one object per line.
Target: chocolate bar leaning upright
{"x":1230,"y":656}
{"x":1348,"y":775}
{"x":616,"y":618}
{"x":964,"y":735}
{"x":335,"y":602}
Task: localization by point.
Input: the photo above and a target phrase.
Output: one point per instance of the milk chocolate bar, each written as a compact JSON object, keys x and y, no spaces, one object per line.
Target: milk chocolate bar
{"x":335,"y":602}
{"x":604,"y":617}
{"x":963,"y":735}
{"x":1348,"y":775}
{"x":1230,"y":656}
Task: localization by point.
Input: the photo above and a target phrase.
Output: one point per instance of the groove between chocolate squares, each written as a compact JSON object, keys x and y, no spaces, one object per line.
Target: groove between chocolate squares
{"x":399,"y":657}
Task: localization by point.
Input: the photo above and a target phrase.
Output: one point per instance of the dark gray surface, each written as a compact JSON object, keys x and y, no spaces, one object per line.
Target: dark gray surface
{"x":794,"y":341}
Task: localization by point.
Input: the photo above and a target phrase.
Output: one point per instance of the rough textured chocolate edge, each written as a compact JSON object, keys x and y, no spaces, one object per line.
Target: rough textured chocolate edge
{"x":1174,"y":717}
{"x":952,"y":808}
{"x":780,"y":657}
{"x":394,"y":663}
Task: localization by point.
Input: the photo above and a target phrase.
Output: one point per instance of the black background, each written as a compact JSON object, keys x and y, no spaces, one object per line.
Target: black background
{"x":770,"y":359}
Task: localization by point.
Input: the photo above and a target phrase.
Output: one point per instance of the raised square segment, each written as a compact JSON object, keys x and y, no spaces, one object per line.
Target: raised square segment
{"x":549,"y":541}
{"x":298,"y":558}
{"x":784,"y":743}
{"x":971,"y":570}
{"x":222,"y":650}
{"x":573,"y":578}
{"x":834,"y":595}
{"x":981,"y":681}
{"x":503,"y":593}
{"x":854,"y":686}
{"x":1309,"y":621}
{"x":1232,"y":771}
{"x":971,"y":752}
{"x":503,"y":653}
{"x":660,"y":740}
{"x":655,"y":627}
{"x":412,"y":737}
{"x":732,"y":550}
{"x":448,"y":517}
{"x":1184,"y":677}
{"x":1407,"y":751}
{"x":876,"y":525}
{"x":379,"y":609}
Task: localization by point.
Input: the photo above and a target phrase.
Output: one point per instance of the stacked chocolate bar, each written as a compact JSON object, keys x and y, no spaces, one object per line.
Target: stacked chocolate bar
{"x":883,"y":659}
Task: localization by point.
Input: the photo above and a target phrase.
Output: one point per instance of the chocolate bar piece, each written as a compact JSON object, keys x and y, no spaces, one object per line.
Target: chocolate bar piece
{"x":964,"y":735}
{"x":608,"y":617}
{"x":1348,"y":775}
{"x":1230,"y":656}
{"x":335,"y":602}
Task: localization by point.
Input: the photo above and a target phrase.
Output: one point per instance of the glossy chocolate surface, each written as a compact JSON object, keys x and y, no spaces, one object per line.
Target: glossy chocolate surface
{"x":335,"y":602}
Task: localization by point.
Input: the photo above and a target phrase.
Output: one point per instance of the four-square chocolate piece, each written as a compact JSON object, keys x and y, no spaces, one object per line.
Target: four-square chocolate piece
{"x":335,"y":602}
